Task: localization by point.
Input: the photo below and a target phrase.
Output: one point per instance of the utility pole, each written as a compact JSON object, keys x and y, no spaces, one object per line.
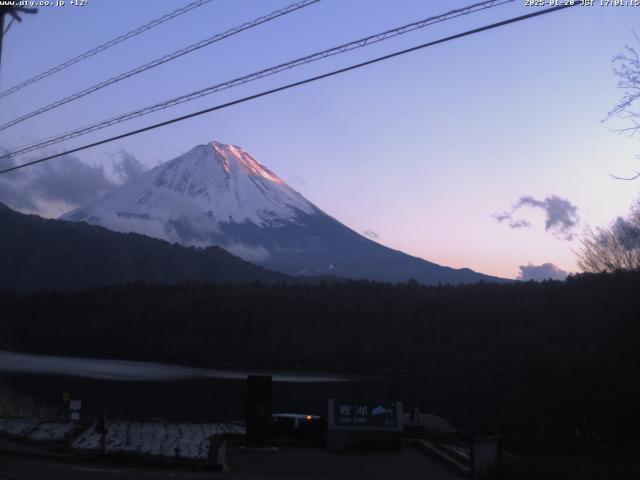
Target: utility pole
{"x":13,"y":11}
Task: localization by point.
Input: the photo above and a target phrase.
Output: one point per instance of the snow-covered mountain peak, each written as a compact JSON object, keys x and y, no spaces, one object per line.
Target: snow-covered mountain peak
{"x":186,"y":199}
{"x":233,"y":156}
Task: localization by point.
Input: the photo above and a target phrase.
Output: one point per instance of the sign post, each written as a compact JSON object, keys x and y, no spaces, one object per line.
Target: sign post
{"x":258,"y":410}
{"x":102,"y":429}
{"x":74,"y":407}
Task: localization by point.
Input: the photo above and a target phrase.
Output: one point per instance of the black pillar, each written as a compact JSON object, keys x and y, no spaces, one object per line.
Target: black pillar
{"x":258,"y":409}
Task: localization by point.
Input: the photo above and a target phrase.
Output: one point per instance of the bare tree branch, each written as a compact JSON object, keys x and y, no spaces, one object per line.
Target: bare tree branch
{"x":615,"y":177}
{"x":627,"y":69}
{"x":612,"y":248}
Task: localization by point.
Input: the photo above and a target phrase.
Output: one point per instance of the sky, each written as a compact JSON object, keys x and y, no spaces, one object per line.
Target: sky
{"x":488,"y":152}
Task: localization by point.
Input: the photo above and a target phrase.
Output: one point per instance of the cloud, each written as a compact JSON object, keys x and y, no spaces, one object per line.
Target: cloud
{"x":371,"y":234}
{"x":623,"y":233}
{"x":52,"y":188}
{"x":126,"y":166}
{"x":513,"y":223}
{"x":247,"y":252}
{"x":519,"y":224}
{"x":561,"y":215}
{"x":627,"y":232}
{"x":538,"y":273}
{"x":299,"y":181}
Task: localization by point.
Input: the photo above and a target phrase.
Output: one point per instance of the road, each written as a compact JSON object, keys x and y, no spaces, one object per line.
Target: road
{"x":318,"y":463}
{"x":288,"y":464}
{"x":25,"y":468}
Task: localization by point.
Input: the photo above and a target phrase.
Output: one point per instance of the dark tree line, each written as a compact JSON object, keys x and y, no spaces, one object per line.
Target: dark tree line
{"x":527,"y":357}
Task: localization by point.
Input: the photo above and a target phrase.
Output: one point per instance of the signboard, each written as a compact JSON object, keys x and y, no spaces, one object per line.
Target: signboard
{"x":365,"y":415}
{"x":75,"y":405}
{"x":75,"y":416}
{"x":364,"y":425}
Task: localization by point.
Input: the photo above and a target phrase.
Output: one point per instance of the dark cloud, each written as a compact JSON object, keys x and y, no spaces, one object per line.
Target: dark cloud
{"x":371,"y":234}
{"x":501,"y":217}
{"x":513,"y":223}
{"x":52,"y":187}
{"x":623,"y":233}
{"x":127,"y":166}
{"x":538,"y":273}
{"x":519,"y":223}
{"x":561,"y":215}
{"x":627,"y":232}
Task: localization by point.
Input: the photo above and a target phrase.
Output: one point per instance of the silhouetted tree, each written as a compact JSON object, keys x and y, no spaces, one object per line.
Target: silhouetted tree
{"x":611,"y":248}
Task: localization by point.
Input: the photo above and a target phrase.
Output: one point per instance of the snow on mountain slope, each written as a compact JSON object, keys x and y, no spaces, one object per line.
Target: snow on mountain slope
{"x":186,"y":199}
{"x":217,"y":194}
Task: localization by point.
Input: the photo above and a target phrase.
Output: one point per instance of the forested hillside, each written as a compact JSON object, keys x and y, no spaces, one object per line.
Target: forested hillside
{"x":568,"y":349}
{"x":40,"y":254}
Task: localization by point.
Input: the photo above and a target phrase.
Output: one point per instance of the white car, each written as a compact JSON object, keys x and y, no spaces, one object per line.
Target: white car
{"x":295,"y":423}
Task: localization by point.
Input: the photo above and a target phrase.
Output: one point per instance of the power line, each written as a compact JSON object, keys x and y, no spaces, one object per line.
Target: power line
{"x":105,"y":46}
{"x":162,"y":60}
{"x":294,"y":84}
{"x":363,"y":42}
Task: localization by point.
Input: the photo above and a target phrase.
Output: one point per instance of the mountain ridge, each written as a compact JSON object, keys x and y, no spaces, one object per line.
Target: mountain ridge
{"x":46,"y":254}
{"x":217,"y":194}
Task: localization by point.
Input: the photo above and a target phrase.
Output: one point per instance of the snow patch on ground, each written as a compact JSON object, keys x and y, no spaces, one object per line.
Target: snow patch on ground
{"x":18,"y":426}
{"x":36,"y":429}
{"x":52,"y":431}
{"x":172,"y":440}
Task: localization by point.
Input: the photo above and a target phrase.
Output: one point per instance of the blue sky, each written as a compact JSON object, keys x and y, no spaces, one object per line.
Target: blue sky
{"x":422,"y":149}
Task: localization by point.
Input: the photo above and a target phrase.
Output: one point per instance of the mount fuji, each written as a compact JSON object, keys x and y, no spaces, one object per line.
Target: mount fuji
{"x":217,"y":194}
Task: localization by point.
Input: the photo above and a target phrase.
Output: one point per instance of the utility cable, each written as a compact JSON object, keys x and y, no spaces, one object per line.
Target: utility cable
{"x":162,"y":60}
{"x":363,"y":42}
{"x":295,"y":84}
{"x":105,"y":46}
